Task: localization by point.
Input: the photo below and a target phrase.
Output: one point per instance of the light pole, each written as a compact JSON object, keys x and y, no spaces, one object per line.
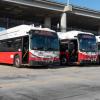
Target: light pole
{"x":67,"y":2}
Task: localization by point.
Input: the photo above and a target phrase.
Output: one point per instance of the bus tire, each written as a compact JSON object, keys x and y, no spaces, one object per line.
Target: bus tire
{"x":63,"y":61}
{"x":17,"y":62}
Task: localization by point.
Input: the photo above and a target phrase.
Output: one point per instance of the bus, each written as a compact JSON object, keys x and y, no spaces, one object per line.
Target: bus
{"x":29,"y":45}
{"x":98,"y":46}
{"x":77,"y":47}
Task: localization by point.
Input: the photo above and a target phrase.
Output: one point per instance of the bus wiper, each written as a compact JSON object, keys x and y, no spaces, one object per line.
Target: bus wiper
{"x":50,"y":49}
{"x":82,"y":49}
{"x":40,"y":48}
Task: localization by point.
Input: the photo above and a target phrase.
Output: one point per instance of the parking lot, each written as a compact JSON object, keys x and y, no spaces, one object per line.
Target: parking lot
{"x":53,"y":83}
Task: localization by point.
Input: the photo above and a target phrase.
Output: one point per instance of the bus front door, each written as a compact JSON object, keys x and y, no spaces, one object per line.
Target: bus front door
{"x":73,"y":49}
{"x":25,"y":50}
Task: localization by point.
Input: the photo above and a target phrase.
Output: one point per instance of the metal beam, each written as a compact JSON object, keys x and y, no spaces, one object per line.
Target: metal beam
{"x":85,"y":12}
{"x":37,"y":3}
{"x":46,"y":4}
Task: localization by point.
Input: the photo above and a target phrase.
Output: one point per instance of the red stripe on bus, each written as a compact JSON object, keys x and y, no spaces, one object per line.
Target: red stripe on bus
{"x":5,"y":57}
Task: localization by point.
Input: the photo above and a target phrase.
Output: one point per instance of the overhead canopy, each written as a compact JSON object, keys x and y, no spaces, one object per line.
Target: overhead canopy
{"x":78,"y":21}
{"x":19,"y":10}
{"x":38,"y":10}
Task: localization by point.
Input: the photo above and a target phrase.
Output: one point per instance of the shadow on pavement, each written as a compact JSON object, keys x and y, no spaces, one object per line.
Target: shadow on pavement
{"x":52,"y":66}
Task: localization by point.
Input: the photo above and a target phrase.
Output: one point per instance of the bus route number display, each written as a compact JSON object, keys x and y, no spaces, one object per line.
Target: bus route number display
{"x":86,"y":36}
{"x":43,"y":33}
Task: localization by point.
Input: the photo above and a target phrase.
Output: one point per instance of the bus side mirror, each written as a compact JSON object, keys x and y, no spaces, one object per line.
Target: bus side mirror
{"x":30,"y":32}
{"x":75,"y":36}
{"x":31,"y":36}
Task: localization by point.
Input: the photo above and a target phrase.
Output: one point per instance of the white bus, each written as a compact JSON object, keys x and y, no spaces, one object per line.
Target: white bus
{"x":98,"y":46}
{"x":77,"y":47}
{"x":26,"y":44}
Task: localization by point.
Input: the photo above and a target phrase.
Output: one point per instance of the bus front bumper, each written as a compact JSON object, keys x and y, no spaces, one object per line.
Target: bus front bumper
{"x":43,"y":63}
{"x":88,"y":62}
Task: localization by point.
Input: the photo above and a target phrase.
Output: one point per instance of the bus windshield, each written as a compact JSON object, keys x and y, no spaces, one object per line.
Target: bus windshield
{"x":44,"y":42}
{"x":87,"y":43}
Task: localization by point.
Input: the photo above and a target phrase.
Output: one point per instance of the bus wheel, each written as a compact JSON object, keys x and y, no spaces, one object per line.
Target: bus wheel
{"x":63,"y":61}
{"x":17,"y":62}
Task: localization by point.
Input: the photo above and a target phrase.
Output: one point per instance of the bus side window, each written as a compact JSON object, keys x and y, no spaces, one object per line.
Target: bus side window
{"x":17,"y":44}
{"x":98,"y":46}
{"x":9,"y":44}
{"x":66,"y":47}
{"x":3,"y":46}
{"x":63,"y":47}
{"x":71,"y":46}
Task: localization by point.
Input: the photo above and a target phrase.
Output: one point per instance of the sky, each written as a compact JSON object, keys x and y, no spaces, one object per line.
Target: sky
{"x":92,"y":4}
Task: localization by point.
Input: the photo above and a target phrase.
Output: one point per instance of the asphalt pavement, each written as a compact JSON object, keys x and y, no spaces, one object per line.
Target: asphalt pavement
{"x":55,"y":83}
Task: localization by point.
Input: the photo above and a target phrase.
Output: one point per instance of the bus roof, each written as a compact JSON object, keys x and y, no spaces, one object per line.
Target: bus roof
{"x":70,"y":34}
{"x":20,"y":30}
